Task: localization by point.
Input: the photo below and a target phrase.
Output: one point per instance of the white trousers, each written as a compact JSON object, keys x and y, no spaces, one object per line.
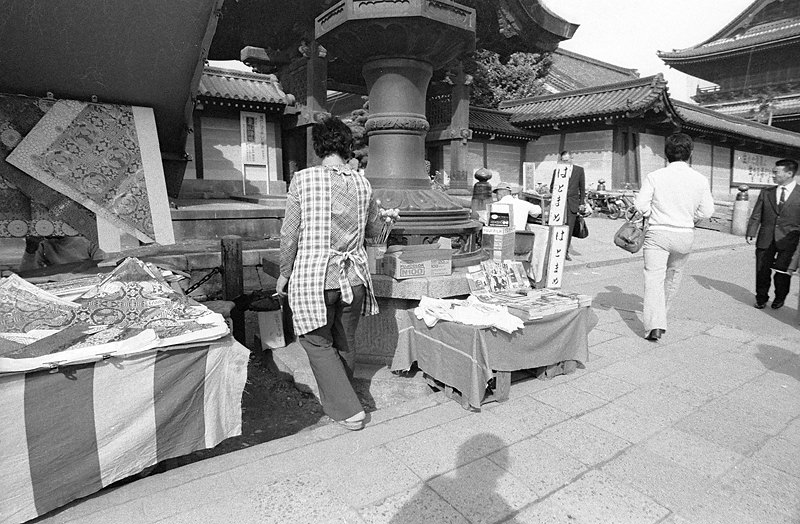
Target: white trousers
{"x":665,"y":254}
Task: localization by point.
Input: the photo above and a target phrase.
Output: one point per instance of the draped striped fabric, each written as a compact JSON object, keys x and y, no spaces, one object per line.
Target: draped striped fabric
{"x":69,"y":433}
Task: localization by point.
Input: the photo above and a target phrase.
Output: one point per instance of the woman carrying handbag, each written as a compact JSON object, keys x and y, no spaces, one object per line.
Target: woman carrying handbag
{"x":673,"y":199}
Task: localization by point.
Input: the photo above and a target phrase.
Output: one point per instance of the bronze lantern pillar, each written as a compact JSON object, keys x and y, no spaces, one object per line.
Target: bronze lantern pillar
{"x":398,"y":46}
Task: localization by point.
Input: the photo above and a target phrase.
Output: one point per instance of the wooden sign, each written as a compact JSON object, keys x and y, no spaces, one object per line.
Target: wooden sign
{"x":557,"y":255}
{"x":558,"y":203}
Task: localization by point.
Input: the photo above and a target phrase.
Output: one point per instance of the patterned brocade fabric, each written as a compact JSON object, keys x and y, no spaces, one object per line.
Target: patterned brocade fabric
{"x":130,"y":299}
{"x":24,"y":307}
{"x":31,"y":207}
{"x":91,"y":154}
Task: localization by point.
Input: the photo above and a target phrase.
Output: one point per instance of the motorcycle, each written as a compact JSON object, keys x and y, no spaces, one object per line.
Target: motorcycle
{"x":612,"y":203}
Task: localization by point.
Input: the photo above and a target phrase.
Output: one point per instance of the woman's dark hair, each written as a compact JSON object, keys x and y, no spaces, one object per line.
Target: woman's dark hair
{"x":332,"y":136}
{"x":678,"y":147}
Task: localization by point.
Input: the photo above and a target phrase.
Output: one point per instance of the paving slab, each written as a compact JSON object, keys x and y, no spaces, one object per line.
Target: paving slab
{"x":625,"y":423}
{"x":483,"y":490}
{"x":538,"y":465}
{"x":583,"y":441}
{"x":661,"y":479}
{"x":418,"y":504}
{"x":598,"y":498}
{"x":693,"y":452}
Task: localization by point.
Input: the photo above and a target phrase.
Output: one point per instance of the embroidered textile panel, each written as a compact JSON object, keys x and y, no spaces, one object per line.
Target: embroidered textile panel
{"x":31,"y":207}
{"x":90,"y":153}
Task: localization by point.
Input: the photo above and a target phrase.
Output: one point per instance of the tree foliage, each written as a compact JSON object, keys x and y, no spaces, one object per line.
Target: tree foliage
{"x":494,"y":81}
{"x":357,"y":123}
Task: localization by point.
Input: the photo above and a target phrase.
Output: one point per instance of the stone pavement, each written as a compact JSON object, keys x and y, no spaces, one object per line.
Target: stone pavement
{"x":701,"y":427}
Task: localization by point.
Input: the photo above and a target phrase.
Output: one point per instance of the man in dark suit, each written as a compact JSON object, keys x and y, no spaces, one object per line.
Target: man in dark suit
{"x":576,"y":195}
{"x":776,"y":218}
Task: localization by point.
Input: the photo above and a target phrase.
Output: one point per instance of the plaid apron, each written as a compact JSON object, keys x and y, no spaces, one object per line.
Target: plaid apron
{"x":307,"y":284}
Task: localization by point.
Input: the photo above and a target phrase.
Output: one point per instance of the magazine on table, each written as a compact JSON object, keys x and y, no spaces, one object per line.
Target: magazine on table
{"x":506,"y":283}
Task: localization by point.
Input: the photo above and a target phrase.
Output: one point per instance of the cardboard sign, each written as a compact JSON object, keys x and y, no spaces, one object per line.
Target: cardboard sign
{"x":557,"y":255}
{"x":558,"y":204}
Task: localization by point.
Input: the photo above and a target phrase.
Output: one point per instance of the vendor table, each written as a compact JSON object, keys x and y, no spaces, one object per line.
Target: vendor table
{"x":466,"y":357}
{"x":69,"y":432}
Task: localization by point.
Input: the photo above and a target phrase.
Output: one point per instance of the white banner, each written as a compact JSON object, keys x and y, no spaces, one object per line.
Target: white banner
{"x":557,"y":255}
{"x":558,"y":204}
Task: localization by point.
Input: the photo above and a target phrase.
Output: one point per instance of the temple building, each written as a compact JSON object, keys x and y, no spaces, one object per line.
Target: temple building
{"x":498,"y":145}
{"x":617,"y":131}
{"x":236,"y":144}
{"x":753,"y":63}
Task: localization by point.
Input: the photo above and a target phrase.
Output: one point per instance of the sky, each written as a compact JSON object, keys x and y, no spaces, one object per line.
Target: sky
{"x":628,"y":33}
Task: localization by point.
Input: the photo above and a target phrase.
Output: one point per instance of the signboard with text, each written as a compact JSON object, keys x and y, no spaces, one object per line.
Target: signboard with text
{"x":557,"y":255}
{"x":753,"y":169}
{"x":254,"y":138}
{"x":558,"y":203}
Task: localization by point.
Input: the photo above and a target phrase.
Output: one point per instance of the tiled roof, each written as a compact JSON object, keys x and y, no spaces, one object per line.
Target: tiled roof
{"x":583,"y":105}
{"x":700,"y":118}
{"x":238,"y":85}
{"x":494,"y":122}
{"x":575,"y":71}
{"x":632,"y":99}
{"x":775,"y":33}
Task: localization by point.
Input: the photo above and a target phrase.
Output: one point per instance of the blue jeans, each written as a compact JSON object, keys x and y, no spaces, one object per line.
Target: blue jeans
{"x":332,"y":354}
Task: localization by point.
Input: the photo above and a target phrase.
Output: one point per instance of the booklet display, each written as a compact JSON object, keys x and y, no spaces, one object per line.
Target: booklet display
{"x":505,"y":283}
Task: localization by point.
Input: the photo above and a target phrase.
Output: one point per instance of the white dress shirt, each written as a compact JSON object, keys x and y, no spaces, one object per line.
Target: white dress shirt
{"x":789,"y":188}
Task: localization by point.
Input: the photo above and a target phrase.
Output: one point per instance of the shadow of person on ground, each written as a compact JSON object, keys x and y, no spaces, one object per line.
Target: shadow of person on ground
{"x":779,"y":360}
{"x":745,"y":296}
{"x":734,"y":291}
{"x":466,"y":494}
{"x":626,"y":304}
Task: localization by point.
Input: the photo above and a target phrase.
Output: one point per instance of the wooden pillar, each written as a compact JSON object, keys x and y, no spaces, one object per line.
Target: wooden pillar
{"x":197,"y":131}
{"x":460,"y":177}
{"x":233,"y":282}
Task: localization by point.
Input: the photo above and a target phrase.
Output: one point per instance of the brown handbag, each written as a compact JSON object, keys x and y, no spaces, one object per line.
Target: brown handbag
{"x":630,"y":236}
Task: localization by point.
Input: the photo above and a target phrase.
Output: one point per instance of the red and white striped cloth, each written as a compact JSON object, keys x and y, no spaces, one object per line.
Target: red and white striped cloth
{"x":70,"y":432}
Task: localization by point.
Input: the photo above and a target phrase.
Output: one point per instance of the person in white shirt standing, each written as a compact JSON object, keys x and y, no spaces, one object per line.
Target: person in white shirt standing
{"x":674,"y":198}
{"x":509,"y":194}
{"x":776,"y":218}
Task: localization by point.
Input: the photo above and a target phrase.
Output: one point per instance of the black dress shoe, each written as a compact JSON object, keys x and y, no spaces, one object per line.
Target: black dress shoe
{"x":654,"y":334}
{"x":760,"y":305}
{"x":776,"y":304}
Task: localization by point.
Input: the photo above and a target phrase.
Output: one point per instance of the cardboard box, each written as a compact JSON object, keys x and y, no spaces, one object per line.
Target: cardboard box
{"x":375,"y":258}
{"x":401,"y":262}
{"x":498,"y":242}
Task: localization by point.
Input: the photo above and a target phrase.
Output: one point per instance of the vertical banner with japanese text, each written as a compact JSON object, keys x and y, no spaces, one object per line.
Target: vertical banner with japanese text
{"x":558,"y":204}
{"x":557,"y":254}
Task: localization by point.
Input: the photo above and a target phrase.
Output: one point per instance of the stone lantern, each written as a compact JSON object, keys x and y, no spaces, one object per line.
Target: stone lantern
{"x":399,"y":45}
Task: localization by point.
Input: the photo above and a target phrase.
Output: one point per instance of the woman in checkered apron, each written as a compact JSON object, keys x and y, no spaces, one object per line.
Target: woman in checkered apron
{"x":329,"y":211}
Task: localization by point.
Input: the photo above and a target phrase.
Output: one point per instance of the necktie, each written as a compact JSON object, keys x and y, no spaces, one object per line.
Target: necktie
{"x":783,"y":198}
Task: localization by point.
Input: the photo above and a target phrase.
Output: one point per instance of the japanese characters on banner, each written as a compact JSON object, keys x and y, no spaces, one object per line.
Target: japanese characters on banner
{"x":753,"y":168}
{"x":254,"y":138}
{"x":558,"y":203}
{"x":558,"y":253}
